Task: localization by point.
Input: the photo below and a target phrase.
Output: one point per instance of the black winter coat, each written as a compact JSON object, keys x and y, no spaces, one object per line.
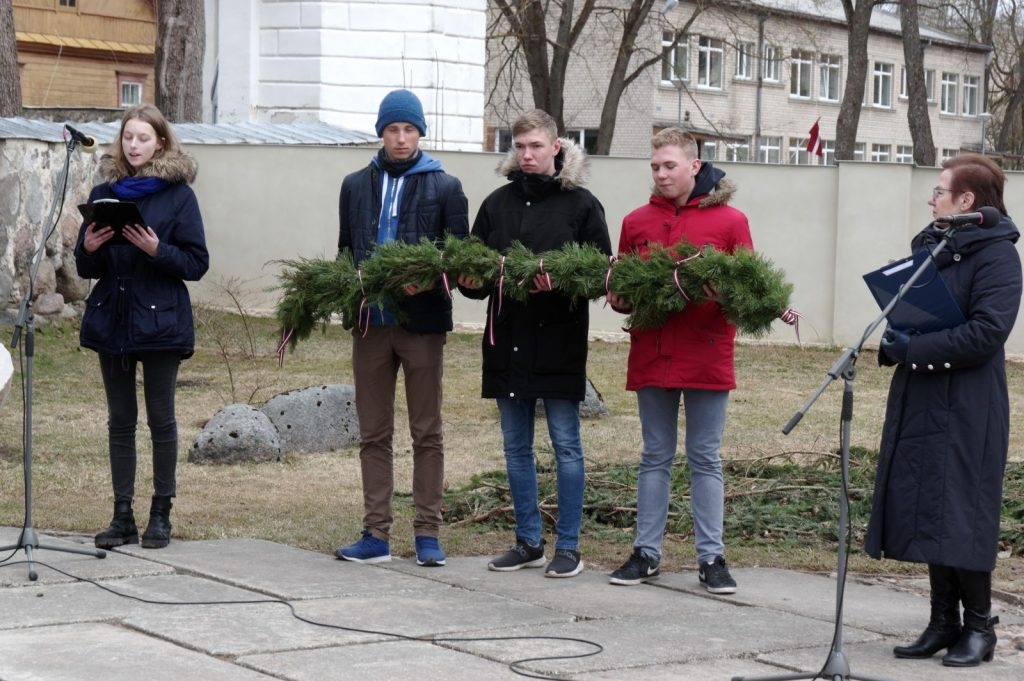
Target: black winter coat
{"x":141,"y":304}
{"x":539,"y":348}
{"x":433,"y":204}
{"x":938,"y":489}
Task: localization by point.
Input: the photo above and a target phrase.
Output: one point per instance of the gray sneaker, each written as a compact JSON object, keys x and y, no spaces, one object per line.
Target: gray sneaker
{"x":522,"y":555}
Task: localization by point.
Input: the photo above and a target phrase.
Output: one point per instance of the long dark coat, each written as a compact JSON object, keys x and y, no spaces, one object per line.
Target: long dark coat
{"x":939,"y":485}
{"x":539,"y":348}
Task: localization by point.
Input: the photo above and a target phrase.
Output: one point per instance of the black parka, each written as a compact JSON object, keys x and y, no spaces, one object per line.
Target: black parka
{"x":139,"y":303}
{"x":938,"y":489}
{"x":539,"y":349}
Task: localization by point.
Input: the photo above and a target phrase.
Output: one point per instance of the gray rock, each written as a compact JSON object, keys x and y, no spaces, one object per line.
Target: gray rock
{"x":48,"y":304}
{"x":238,"y":433}
{"x":593,"y":406}
{"x":317,"y":419}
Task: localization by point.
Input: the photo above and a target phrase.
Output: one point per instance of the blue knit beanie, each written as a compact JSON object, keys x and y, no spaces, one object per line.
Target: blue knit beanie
{"x":401,"y":106}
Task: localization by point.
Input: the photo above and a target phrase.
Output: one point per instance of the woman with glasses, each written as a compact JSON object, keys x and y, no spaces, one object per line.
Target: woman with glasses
{"x":938,"y":489}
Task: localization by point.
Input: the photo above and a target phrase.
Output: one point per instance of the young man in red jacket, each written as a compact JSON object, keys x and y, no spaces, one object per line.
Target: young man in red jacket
{"x":690,"y":357}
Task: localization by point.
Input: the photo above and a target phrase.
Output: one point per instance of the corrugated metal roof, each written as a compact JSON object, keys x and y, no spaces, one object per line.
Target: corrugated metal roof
{"x":316,"y":133}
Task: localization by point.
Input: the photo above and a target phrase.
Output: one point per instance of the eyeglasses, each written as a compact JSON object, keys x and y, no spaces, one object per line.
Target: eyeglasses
{"x":938,"y":191}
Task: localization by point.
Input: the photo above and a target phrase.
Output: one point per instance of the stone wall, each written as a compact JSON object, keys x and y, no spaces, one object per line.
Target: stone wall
{"x":29,"y":175}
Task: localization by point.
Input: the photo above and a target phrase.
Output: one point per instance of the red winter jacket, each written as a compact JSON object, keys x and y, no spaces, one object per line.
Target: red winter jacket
{"x":694,"y":348}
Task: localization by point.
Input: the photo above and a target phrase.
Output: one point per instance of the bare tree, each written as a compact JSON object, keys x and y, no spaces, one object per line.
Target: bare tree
{"x":543,"y":35}
{"x":180,"y":44}
{"x":917,"y":92}
{"x":858,"y":20}
{"x":10,"y":79}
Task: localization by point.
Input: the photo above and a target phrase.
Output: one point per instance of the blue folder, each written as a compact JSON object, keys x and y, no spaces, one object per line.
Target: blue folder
{"x":926,"y":306}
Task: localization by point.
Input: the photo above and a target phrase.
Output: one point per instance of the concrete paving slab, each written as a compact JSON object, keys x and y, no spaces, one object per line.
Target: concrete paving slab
{"x":876,"y":660}
{"x":710,"y":630}
{"x":588,"y":595}
{"x":245,"y":630}
{"x":873,"y":606}
{"x":15,"y":573}
{"x":395,"y":661}
{"x":720,"y":670}
{"x":275,"y":569}
{"x":86,"y":652}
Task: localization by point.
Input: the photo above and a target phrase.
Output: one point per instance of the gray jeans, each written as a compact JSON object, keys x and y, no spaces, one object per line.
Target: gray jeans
{"x":705,"y":423}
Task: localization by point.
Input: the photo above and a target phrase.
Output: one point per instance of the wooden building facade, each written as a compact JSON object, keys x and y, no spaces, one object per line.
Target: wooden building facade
{"x":88,"y":54}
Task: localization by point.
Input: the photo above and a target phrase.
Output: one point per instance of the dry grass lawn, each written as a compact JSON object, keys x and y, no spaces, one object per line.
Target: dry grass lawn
{"x":314,"y":501}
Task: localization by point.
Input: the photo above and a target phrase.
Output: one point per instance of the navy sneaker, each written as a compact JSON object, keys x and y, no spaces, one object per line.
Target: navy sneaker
{"x":428,"y":552}
{"x":368,"y":549}
{"x":716,"y":578}
{"x":566,"y":563}
{"x":638,"y":569}
{"x":522,"y":555}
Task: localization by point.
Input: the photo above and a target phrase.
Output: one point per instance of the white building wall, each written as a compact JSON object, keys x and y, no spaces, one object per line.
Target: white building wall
{"x":333,"y":61}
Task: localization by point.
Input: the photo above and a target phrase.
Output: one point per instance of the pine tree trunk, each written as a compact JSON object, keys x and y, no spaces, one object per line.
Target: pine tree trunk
{"x":10,"y":80}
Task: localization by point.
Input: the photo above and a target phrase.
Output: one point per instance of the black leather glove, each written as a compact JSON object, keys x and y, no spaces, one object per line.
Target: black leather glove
{"x":893,"y":348}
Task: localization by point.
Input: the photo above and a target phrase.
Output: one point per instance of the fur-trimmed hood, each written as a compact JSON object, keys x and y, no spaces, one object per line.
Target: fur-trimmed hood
{"x":174,"y":166}
{"x":711,"y":184}
{"x":571,"y":165}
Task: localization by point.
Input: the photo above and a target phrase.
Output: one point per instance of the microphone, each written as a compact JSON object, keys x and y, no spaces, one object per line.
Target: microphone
{"x":985,"y":217}
{"x":88,"y":144}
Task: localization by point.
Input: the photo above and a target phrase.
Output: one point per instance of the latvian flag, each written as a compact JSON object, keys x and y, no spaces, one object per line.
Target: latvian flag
{"x":814,"y":142}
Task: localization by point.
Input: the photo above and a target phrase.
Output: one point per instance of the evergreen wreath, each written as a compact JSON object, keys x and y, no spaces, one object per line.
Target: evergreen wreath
{"x":752,"y":291}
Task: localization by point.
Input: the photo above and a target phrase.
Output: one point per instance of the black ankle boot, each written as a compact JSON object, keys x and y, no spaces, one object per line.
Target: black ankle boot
{"x":978,"y":641}
{"x":158,"y":531}
{"x":121,"y":530}
{"x":943,"y":628}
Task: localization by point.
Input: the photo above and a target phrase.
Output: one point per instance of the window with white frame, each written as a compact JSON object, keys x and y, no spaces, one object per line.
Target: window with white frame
{"x":502,"y":140}
{"x":129,"y":89}
{"x":710,"y":62}
{"x":880,"y":153}
{"x":949,"y":153}
{"x":882,"y":85}
{"x":800,"y":65}
{"x":709,"y":150}
{"x":585,"y":137}
{"x":770,"y":63}
{"x":770,"y":150}
{"x":798,"y":154}
{"x":828,"y":69}
{"x":746,"y":57}
{"x":947,"y":102}
{"x":737,"y":152}
{"x":904,"y":153}
{"x":972,"y":87}
{"x":929,"y":84}
{"x":828,"y":152}
{"x":674,"y":60}
{"x":858,"y":151}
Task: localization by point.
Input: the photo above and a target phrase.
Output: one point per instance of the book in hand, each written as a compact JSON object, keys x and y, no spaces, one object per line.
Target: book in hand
{"x":112,"y":213}
{"x":926,"y":306}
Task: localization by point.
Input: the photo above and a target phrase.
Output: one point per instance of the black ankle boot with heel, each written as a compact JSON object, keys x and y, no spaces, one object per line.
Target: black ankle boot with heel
{"x":121,"y":530}
{"x":158,"y":531}
{"x":977,"y":643}
{"x":943,"y":628}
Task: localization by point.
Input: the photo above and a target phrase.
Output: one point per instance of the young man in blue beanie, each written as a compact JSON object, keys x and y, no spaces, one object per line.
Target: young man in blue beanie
{"x":404,"y":195}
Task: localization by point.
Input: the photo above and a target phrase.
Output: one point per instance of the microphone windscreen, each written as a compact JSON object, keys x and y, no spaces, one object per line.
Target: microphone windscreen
{"x":89,"y":146}
{"x":990,"y":216}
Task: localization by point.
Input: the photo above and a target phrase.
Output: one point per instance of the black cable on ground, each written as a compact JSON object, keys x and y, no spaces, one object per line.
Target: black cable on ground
{"x":515,"y":666}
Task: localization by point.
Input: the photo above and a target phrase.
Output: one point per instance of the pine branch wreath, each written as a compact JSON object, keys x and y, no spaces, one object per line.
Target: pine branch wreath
{"x":753,"y":291}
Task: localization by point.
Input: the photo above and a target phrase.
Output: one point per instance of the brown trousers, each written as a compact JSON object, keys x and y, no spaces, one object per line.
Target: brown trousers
{"x":376,"y":359}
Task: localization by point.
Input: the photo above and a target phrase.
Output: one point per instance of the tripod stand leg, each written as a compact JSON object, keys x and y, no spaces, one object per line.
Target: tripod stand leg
{"x":29,"y":542}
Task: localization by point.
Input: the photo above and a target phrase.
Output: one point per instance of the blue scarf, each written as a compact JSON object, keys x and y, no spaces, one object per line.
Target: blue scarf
{"x":128,"y":188}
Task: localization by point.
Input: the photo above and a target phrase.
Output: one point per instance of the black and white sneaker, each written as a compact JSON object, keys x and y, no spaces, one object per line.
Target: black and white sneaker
{"x":566,"y":563}
{"x":638,"y":569}
{"x":716,"y":578}
{"x":522,"y":555}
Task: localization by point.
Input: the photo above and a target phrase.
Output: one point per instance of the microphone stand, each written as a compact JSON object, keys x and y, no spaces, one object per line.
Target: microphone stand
{"x":28,"y":540}
{"x":837,"y":668}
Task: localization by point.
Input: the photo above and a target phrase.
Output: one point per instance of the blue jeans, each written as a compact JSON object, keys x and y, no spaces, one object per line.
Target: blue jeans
{"x":517,"y":423}
{"x":659,"y":423}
